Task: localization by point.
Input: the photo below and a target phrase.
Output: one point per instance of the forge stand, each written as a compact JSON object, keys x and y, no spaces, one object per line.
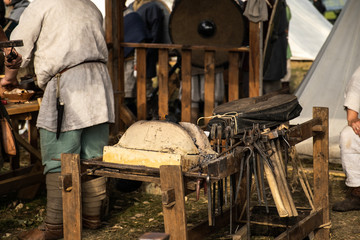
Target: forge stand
{"x":173,"y":183}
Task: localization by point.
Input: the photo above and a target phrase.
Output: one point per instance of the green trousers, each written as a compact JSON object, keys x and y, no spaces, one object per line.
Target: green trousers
{"x":88,"y":142}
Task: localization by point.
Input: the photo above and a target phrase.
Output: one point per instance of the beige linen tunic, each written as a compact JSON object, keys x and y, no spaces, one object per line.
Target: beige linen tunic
{"x":68,"y":34}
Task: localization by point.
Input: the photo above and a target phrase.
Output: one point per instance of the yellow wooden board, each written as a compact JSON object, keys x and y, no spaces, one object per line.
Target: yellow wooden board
{"x":120,"y":155}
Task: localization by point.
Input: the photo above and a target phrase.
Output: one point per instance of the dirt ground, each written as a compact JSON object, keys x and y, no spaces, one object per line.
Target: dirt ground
{"x":132,"y":214}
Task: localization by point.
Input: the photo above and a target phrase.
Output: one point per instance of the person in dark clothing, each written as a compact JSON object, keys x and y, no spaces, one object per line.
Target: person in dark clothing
{"x":275,"y":65}
{"x":319,"y":5}
{"x":2,"y":14}
{"x":153,"y":17}
{"x":13,"y":20}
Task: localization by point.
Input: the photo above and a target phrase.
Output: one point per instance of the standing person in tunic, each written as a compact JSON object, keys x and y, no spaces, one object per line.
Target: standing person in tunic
{"x":66,"y":40}
{"x":350,"y":146}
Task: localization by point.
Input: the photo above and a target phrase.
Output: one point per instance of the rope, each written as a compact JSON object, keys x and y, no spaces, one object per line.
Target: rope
{"x":326,"y":225}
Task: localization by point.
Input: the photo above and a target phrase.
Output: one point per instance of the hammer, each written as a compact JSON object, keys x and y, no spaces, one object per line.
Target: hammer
{"x":15,"y":43}
{"x":5,"y":43}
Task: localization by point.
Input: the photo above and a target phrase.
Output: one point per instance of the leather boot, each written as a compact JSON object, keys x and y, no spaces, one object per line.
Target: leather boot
{"x":351,"y":203}
{"x":43,"y":232}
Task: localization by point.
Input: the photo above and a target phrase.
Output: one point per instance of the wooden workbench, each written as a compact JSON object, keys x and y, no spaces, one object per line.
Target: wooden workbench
{"x":173,"y":186}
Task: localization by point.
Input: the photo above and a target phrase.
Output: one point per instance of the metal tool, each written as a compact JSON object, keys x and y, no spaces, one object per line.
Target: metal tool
{"x":13,"y":54}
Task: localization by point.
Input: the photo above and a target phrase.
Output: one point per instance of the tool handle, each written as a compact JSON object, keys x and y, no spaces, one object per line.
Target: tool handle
{"x":11,"y":56}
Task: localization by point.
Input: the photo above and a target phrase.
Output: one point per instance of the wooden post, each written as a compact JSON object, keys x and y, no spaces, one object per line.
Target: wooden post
{"x":255,"y":61}
{"x":186,"y":86}
{"x":321,"y":171}
{"x":233,"y":76}
{"x":120,"y":86}
{"x":109,"y":35}
{"x":114,"y":36}
{"x":171,"y":181}
{"x":71,"y":196}
{"x":209,"y":88}
{"x":163,"y":78}
{"x":141,"y":83}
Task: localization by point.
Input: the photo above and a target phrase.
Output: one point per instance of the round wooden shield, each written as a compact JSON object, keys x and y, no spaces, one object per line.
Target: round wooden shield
{"x":207,"y":23}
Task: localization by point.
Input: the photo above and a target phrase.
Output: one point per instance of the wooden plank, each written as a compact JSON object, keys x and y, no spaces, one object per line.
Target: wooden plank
{"x":186,"y":86}
{"x":179,"y":46}
{"x":209,"y":88}
{"x":141,"y":83}
{"x":18,"y":182}
{"x":163,"y":77}
{"x":120,"y":80}
{"x":302,"y":228}
{"x":225,"y":166}
{"x":171,"y":178}
{"x":255,"y":61}
{"x":128,"y":156}
{"x":35,"y":152}
{"x":33,"y":137}
{"x":241,"y":234}
{"x":321,"y":171}
{"x":203,"y":229}
{"x":31,"y":106}
{"x":233,"y":76}
{"x":128,"y":176}
{"x":71,"y":195}
{"x":16,"y":172}
{"x":303,"y":131}
{"x":125,"y":167}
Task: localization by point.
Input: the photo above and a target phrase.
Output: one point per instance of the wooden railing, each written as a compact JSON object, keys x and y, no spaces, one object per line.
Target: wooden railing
{"x":163,"y":80}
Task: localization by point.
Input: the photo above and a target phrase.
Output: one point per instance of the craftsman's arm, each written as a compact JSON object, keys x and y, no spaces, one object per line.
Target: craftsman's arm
{"x":11,"y":70}
{"x":353,"y":120}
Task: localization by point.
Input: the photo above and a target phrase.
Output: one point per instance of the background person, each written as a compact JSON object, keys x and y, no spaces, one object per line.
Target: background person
{"x":350,"y":146}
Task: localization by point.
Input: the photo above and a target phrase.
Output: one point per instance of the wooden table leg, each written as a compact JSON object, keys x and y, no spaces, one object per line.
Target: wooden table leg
{"x":173,"y":199}
{"x":71,"y":196}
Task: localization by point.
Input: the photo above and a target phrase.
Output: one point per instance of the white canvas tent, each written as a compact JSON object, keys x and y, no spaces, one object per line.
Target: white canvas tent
{"x":326,"y":80}
{"x":308,"y":30}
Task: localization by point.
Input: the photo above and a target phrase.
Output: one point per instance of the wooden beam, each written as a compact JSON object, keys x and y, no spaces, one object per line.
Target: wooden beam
{"x":163,"y":78}
{"x":18,"y":182}
{"x":186,"y":86}
{"x":141,"y":83}
{"x":180,"y":46}
{"x":209,"y":88}
{"x":302,"y":228}
{"x":233,"y":76}
{"x":171,"y":178}
{"x":71,"y":196}
{"x":27,"y":146}
{"x":128,"y":176}
{"x":321,"y":171}
{"x":255,"y":61}
{"x":303,"y":131}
